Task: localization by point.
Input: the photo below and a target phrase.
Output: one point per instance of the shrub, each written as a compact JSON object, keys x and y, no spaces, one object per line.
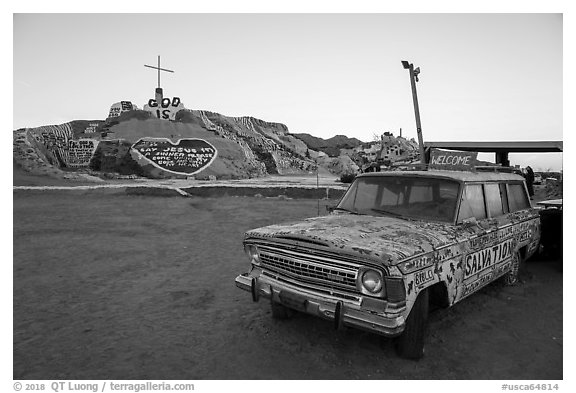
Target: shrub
{"x":347,"y":177}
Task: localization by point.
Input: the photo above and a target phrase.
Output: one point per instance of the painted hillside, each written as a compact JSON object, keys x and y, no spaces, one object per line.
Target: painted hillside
{"x":234,"y":147}
{"x":166,"y":140}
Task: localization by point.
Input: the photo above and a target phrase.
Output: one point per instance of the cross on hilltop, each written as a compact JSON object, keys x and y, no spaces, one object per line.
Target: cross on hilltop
{"x":159,"y":69}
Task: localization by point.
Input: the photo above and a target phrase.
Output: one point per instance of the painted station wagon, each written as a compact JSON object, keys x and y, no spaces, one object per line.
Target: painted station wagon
{"x":396,"y":243}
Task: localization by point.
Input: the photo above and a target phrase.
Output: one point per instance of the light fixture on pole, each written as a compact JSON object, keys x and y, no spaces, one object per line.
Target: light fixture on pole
{"x":413,"y":79}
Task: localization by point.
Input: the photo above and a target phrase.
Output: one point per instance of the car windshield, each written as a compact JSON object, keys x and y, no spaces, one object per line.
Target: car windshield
{"x":402,"y":196}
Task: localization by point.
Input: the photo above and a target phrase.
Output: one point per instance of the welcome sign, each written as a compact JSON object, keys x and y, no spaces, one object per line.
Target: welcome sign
{"x":453,"y":160}
{"x":185,"y":157}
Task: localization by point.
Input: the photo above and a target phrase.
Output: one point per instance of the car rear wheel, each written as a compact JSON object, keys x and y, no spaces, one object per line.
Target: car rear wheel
{"x":410,"y":344}
{"x":512,"y":277}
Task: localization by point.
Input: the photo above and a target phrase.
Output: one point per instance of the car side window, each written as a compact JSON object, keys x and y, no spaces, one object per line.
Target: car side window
{"x":517,"y":197}
{"x":493,"y":200}
{"x":472,"y":204}
{"x":504,"y":196}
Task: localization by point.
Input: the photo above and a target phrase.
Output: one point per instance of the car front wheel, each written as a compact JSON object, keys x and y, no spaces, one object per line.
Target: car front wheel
{"x":410,"y":344}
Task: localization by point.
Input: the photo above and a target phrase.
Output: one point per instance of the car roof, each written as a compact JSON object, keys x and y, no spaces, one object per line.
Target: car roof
{"x":461,"y":176}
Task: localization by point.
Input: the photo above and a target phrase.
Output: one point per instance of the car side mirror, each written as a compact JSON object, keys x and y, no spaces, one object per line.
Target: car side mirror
{"x":330,"y":208}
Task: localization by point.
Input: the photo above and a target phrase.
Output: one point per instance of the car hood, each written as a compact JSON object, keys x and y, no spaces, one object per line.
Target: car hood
{"x":388,"y":240}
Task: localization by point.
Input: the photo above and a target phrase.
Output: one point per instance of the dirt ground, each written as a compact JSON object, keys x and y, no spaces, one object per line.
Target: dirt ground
{"x":116,"y":286}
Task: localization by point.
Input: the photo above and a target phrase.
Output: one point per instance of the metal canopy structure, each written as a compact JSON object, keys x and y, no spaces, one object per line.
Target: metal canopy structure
{"x":501,"y":149}
{"x":511,"y":147}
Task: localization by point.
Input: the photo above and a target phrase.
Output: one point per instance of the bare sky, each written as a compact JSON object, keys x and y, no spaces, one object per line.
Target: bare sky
{"x":487,"y":77}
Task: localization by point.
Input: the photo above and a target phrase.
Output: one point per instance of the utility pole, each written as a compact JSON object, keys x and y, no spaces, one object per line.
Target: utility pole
{"x":413,"y":79}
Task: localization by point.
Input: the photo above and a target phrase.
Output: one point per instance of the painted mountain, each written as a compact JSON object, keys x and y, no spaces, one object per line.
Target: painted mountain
{"x":167,"y":140}
{"x":136,"y":142}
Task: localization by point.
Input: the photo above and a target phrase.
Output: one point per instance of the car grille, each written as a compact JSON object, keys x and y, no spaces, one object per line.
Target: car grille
{"x":310,"y":268}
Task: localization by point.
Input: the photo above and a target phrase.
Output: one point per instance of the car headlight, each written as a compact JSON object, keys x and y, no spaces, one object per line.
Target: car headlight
{"x":252,"y":252}
{"x":372,"y":281}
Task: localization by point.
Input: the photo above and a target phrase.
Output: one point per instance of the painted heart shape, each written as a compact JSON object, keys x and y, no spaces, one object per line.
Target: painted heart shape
{"x":185,"y":157}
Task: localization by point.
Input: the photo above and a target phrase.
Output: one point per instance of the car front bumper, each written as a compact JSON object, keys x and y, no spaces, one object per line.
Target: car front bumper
{"x":342,"y":312}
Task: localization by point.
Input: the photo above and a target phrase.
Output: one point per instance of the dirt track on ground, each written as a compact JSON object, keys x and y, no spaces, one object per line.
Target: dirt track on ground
{"x":139,"y":287}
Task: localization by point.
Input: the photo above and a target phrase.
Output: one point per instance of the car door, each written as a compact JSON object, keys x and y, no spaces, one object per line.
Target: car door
{"x":497,"y":205}
{"x":473,"y":215}
{"x":525,"y":220}
{"x":488,"y":249}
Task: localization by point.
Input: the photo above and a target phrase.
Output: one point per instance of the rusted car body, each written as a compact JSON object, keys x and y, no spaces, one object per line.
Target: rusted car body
{"x":396,"y":242}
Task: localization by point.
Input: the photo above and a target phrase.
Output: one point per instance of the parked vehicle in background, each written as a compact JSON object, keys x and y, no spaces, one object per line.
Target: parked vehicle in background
{"x":551,"y":217}
{"x":396,"y":243}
